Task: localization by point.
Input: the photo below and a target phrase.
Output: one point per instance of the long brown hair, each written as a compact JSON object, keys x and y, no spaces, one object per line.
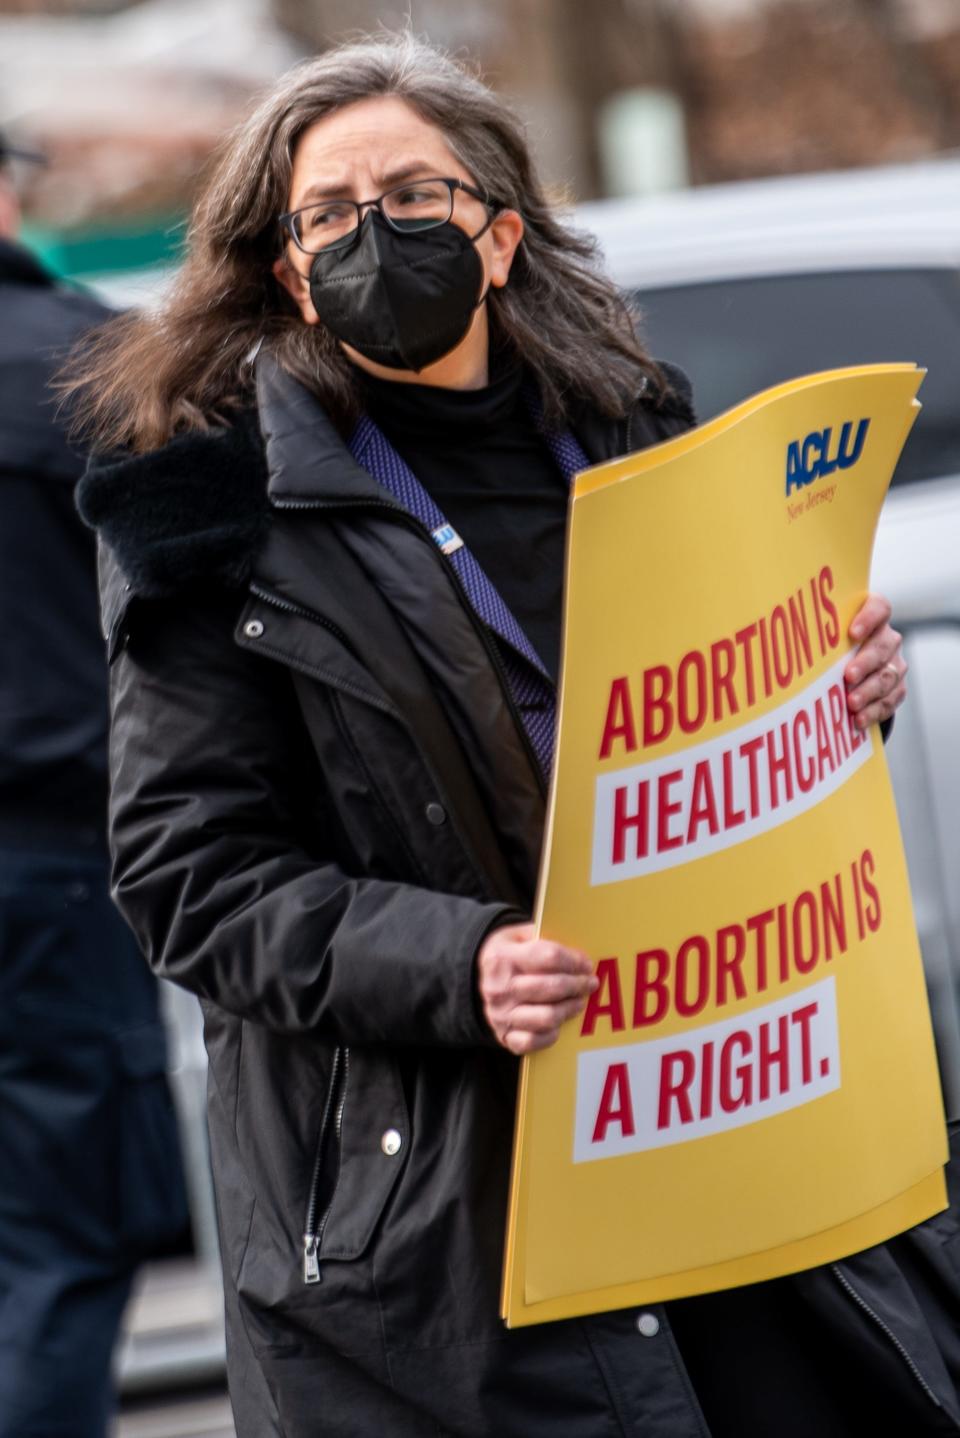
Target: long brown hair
{"x":146,"y":376}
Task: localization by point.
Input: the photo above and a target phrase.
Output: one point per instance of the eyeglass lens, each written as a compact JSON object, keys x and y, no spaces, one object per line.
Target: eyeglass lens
{"x":417,"y":206}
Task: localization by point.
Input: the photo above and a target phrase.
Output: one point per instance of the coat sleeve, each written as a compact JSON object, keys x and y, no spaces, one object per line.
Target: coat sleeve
{"x":211,"y":869}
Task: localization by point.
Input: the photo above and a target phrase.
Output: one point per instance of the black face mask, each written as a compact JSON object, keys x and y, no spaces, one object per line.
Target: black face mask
{"x":403,"y":299}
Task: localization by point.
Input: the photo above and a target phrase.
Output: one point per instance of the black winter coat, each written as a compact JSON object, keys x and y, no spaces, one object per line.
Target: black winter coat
{"x":322,"y":802}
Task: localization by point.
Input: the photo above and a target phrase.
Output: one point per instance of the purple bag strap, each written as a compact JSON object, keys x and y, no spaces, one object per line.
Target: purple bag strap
{"x":530,"y":685}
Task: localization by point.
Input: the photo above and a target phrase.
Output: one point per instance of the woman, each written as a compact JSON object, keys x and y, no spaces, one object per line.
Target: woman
{"x":331,"y":585}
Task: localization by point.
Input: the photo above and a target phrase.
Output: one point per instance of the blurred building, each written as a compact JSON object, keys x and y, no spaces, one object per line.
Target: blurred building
{"x":621,"y":96}
{"x":765,"y":86}
{"x":127,"y":102}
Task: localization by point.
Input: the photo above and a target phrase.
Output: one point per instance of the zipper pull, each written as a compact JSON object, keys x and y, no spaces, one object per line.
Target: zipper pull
{"x":311,"y":1264}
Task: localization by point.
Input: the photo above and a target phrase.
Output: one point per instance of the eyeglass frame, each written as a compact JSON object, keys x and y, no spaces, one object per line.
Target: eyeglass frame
{"x":285,"y":221}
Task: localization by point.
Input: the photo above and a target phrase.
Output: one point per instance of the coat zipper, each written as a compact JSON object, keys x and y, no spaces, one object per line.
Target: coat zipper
{"x":402,"y":517}
{"x":314,"y":1226}
{"x":862,"y":1303}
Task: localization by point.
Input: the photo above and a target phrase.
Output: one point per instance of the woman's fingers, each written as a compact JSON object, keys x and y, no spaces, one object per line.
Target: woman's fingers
{"x":552,"y":988}
{"x":544,"y":1018}
{"x":881,"y":690}
{"x":542,"y":956}
{"x":529,"y":987}
{"x":870,"y":658}
{"x":874,"y":612}
{"x":521,"y":1041}
{"x":883,"y":708}
{"x":881,"y":648}
{"x":876,"y":673}
{"x":880,"y":683}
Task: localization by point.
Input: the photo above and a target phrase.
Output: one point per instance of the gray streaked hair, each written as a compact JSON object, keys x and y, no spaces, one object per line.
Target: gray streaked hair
{"x":144,"y":377}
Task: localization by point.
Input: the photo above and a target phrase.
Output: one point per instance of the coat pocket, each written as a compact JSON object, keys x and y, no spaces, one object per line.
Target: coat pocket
{"x":372,"y":1139}
{"x":362,"y":1137}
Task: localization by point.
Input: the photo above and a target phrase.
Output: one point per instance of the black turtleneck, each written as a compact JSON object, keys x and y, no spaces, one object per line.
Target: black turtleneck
{"x":480,"y":457}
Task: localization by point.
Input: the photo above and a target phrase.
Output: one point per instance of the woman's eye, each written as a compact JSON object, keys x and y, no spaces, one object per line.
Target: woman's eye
{"x":333,"y":214}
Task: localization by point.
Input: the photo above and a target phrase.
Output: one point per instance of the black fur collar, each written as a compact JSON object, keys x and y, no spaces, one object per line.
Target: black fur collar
{"x":192,"y":512}
{"x":197,"y":510}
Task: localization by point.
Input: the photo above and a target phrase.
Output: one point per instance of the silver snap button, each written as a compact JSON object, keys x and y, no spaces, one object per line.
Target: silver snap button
{"x":391,"y":1143}
{"x":436,"y":813}
{"x":253,"y":629}
{"x":648,"y":1325}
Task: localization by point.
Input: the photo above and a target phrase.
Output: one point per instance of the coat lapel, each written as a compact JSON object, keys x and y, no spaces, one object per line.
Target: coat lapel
{"x":341,"y":550}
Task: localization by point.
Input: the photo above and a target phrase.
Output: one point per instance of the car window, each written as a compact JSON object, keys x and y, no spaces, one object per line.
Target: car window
{"x":736,"y":337}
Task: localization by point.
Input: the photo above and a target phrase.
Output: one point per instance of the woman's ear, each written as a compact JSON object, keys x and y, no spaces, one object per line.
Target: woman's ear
{"x":506,"y":232}
{"x":298,"y":287}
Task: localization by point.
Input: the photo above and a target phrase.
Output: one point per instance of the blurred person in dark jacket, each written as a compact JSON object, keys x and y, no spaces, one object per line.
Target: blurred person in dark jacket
{"x":90,"y":1178}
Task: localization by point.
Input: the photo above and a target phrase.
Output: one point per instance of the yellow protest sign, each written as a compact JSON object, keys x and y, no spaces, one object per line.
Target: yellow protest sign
{"x":753,"y":1088}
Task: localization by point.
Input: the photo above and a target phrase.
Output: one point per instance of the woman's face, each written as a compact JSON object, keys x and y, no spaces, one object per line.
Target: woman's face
{"x":358,"y":153}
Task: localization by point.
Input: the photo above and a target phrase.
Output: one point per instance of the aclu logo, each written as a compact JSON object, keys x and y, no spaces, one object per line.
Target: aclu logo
{"x":822,"y":453}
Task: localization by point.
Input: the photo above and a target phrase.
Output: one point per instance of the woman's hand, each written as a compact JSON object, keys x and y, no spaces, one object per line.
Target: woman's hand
{"x":530,"y":986}
{"x":876,"y":674}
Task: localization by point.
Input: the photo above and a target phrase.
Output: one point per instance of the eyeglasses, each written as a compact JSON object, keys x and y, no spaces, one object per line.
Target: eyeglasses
{"x":418,"y":205}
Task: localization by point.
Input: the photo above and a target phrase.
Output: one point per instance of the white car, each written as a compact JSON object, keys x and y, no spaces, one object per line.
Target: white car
{"x":750,"y":284}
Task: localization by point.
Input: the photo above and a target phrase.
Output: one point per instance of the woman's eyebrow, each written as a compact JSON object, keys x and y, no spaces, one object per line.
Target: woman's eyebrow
{"x":395,"y":175}
{"x":408,"y":170}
